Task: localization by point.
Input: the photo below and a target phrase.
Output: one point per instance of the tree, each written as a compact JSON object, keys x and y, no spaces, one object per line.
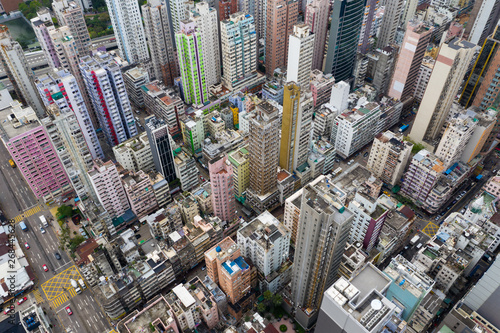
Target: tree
{"x":64,"y":212}
{"x":283,"y":328}
{"x":74,"y":242}
{"x":268,"y":296}
{"x":261,"y":307}
{"x":247,"y":318}
{"x":277,"y":300}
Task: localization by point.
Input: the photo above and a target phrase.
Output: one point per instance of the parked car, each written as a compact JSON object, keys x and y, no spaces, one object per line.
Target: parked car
{"x":138,"y":236}
{"x":22,"y":300}
{"x":365,"y":154}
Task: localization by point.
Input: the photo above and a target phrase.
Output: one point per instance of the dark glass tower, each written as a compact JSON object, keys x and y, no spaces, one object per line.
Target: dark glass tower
{"x":161,"y":148}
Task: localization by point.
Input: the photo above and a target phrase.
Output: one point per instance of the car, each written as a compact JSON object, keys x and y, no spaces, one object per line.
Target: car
{"x":406,"y":247}
{"x":462,"y":211}
{"x":495,"y":171}
{"x":22,"y":300}
{"x":45,"y":268}
{"x":42,"y":230}
{"x":454,"y":202}
{"x":68,"y":310}
{"x":202,"y":179}
{"x":137,"y":111}
{"x":138,"y":236}
{"x":350,"y":162}
{"x":136,"y":228}
{"x":57,"y":255}
{"x":365,"y":154}
{"x":27,"y":246}
{"x":7,"y":310}
{"x":420,"y":215}
{"x":203,"y":268}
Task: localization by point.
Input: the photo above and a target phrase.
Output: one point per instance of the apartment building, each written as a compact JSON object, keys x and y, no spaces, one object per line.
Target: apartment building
{"x":240,"y":159}
{"x":42,"y":24}
{"x":300,"y":51}
{"x":316,"y":17}
{"x":186,"y":170}
{"x":265,"y":241}
{"x":390,"y":23}
{"x":158,"y":30}
{"x":323,"y":121}
{"x":20,"y":75}
{"x":70,"y":14}
{"x":135,"y":154}
{"x":160,"y":146}
{"x":61,"y":89}
{"x":108,"y":187}
{"x":239,"y":49}
{"x":485,"y":15}
{"x":164,"y":104}
{"x":106,"y":87}
{"x":164,"y":221}
{"x":389,"y":157}
{"x":455,"y":138}
{"x":161,"y":189}
{"x":28,"y":143}
{"x":424,"y":75}
{"x":134,"y":79}
{"x":140,"y":193}
{"x":353,"y":260}
{"x":321,"y":158}
{"x":320,"y":85}
{"x":127,"y":24}
{"x":380,"y":67}
{"x":221,"y":180}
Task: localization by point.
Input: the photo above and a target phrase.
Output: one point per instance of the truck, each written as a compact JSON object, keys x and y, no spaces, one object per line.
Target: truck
{"x":45,"y":224}
{"x":12,"y":163}
{"x":82,"y":284}
{"x":336,"y":172}
{"x":75,"y":285}
{"x":403,"y":128}
{"x":23,"y":226}
{"x":414,"y":239}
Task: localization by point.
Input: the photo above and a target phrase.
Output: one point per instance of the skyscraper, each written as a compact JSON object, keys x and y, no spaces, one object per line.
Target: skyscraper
{"x":300,"y":54}
{"x":42,"y":25}
{"x":17,"y":70}
{"x":321,"y":237}
{"x":221,"y":183}
{"x":61,"y":88}
{"x":239,"y":48}
{"x":483,"y":20}
{"x":451,"y":64}
{"x":129,"y":31}
{"x":205,"y":19}
{"x":161,"y":147}
{"x":226,"y":8}
{"x":106,"y":88}
{"x":161,"y":43}
{"x":296,"y":127}
{"x":317,"y":19}
{"x":264,"y":155}
{"x":347,"y":17}
{"x":68,"y":13}
{"x":367,"y":27}
{"x":390,"y":23}
{"x":404,"y":79}
{"x":191,"y":63}
{"x":281,"y":17}
{"x":178,"y":12}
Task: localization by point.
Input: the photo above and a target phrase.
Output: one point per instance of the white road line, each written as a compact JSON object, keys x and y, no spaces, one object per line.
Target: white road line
{"x":86,"y":302}
{"x":79,"y":307}
{"x":95,"y":319}
{"x":78,"y":324}
{"x":39,"y":256}
{"x":88,"y":322}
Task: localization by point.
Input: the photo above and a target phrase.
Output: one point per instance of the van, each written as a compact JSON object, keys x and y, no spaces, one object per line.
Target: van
{"x":82,"y":284}
{"x":419,"y":245}
{"x":45,"y":224}
{"x":23,"y":226}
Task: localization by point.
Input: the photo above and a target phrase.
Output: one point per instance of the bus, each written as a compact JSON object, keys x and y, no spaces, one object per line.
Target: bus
{"x":336,"y":172}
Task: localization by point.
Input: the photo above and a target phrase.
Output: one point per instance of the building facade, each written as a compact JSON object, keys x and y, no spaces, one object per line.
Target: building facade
{"x":221,"y":182}
{"x":161,"y":147}
{"x":300,"y":50}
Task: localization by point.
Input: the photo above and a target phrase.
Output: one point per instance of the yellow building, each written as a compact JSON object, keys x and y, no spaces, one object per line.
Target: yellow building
{"x":239,"y":158}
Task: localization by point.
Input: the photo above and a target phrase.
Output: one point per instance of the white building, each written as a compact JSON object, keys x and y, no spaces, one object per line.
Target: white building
{"x":265,"y":241}
{"x":423,"y":77}
{"x":134,"y":79}
{"x":135,"y":154}
{"x":106,"y":87}
{"x":158,"y":29}
{"x":186,"y":170}
{"x":70,"y":14}
{"x":129,"y":31}
{"x":61,"y":88}
{"x":42,"y":25}
{"x":239,"y":48}
{"x":178,"y":12}
{"x":19,"y":73}
{"x":207,"y":23}
{"x":483,"y":21}
{"x":300,"y":55}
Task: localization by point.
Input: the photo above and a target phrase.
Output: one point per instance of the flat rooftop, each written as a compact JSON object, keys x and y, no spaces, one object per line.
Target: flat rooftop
{"x":16,"y":120}
{"x":368,"y":279}
{"x":156,"y":314}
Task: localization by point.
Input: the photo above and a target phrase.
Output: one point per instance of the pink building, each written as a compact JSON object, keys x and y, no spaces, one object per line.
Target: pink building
{"x":321,"y":86}
{"x":317,"y":13}
{"x":29,"y":145}
{"x":410,"y":57}
{"x":493,"y":186}
{"x":221,"y":180}
{"x":140,"y":193}
{"x":455,"y":30}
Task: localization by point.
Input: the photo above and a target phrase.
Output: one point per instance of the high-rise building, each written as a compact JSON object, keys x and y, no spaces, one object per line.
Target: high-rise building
{"x":322,"y":234}
{"x":409,"y":12}
{"x":389,"y":156}
{"x":135,"y":154}
{"x":109,"y":188}
{"x":239,"y":48}
{"x":424,"y":75}
{"x":404,"y":79}
{"x":347,"y":17}
{"x":266,"y":242}
{"x":317,"y":13}
{"x":240,"y":160}
{"x":106,"y":88}
{"x":161,"y":147}
{"x":29,"y":146}
{"x":451,"y":65}
{"x":134,"y":79}
{"x":157,"y":27}
{"x":20,"y":75}
{"x":483,"y":20}
{"x":264,"y":156}
{"x":226,"y":8}
{"x":178,"y":13}
{"x":127,"y":24}
{"x":140,"y":193}
{"x":205,"y":19}
{"x":300,"y":54}
{"x":295,"y":127}
{"x":42,"y":25}
{"x":221,"y":183}
{"x":380,"y":67}
{"x":390,"y":23}
{"x":281,"y":17}
{"x":69,"y":13}
{"x":321,"y":87}
{"x":368,"y":31}
{"x":61,"y":88}
{"x":192,"y":64}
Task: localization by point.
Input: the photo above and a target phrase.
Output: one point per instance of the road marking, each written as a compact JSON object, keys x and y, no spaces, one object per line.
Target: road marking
{"x":61,"y":283}
{"x":77,"y":323}
{"x":38,"y":296}
{"x":60,"y":300}
{"x":28,"y":212}
{"x":430,"y":229}
{"x":39,"y":256}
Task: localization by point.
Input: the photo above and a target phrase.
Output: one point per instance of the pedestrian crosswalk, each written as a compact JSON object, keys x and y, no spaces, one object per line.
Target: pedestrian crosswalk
{"x":27,"y":213}
{"x":58,"y":301}
{"x":38,"y":296}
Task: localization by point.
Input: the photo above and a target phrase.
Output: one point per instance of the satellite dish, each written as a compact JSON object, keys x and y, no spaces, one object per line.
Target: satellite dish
{"x":376,"y":304}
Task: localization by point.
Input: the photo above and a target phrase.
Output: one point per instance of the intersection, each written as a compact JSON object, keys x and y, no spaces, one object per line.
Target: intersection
{"x":60,"y":285}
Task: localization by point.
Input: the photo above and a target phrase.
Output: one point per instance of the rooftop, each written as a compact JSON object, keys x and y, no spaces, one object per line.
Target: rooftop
{"x":16,"y":120}
{"x":156,"y":313}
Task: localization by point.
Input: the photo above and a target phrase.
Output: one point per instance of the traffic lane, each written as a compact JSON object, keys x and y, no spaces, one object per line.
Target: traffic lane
{"x":472,"y":191}
{"x":86,"y":314}
{"x":35,"y":254}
